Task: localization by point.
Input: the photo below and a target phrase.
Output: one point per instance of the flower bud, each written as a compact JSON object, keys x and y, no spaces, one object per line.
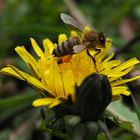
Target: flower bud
{"x":93,"y":96}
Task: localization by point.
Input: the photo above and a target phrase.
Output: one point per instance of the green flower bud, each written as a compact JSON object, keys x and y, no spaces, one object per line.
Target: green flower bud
{"x":93,"y":96}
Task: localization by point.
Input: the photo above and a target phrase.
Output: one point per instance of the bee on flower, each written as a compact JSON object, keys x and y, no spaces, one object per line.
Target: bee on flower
{"x":57,"y":82}
{"x":75,"y":44}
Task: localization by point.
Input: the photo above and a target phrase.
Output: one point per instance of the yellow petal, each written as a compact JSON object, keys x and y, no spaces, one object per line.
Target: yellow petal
{"x":55,"y":103}
{"x":53,"y":80}
{"x":124,"y":81}
{"x":28,"y":78}
{"x":46,"y":101}
{"x":124,"y":65}
{"x":61,"y":38}
{"x":119,"y":74}
{"x":9,"y":71}
{"x":48,"y":47}
{"x":43,"y":102}
{"x":110,"y":65}
{"x":25,"y":55}
{"x":57,"y":81}
{"x":28,"y":59}
{"x":69,"y":84}
{"x":108,"y":43}
{"x":108,"y":58}
{"x":92,"y":51}
{"x":120,"y":90}
{"x":37,"y":49}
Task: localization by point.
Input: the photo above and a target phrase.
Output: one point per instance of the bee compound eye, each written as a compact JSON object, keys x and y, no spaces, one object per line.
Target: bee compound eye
{"x":102,"y":39}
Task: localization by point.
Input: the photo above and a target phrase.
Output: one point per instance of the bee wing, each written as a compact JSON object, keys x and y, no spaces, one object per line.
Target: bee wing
{"x":80,"y":47}
{"x":71,"y":21}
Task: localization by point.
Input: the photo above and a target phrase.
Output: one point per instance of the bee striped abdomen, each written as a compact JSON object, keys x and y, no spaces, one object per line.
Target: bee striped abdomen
{"x":66,"y":47}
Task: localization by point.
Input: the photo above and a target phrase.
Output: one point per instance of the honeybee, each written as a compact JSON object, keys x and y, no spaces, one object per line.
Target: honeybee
{"x":75,"y":44}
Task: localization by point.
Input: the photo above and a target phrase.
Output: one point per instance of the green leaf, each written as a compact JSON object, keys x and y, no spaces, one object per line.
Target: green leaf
{"x":101,"y":136}
{"x":137,"y":108}
{"x":126,"y":125}
{"x":123,"y":114}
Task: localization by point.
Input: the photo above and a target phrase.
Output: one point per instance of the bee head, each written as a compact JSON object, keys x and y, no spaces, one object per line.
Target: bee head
{"x":94,"y":38}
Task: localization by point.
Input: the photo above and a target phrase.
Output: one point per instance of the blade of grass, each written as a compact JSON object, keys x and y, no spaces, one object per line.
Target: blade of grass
{"x":6,"y":103}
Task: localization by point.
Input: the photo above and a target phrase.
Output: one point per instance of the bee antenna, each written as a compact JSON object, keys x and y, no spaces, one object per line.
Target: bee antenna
{"x":110,"y":41}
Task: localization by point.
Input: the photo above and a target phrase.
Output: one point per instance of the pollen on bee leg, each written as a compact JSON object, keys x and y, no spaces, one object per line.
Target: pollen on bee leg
{"x":66,"y":58}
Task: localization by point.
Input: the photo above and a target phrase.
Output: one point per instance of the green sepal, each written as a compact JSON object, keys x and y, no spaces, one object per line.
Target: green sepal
{"x":43,"y":113}
{"x":63,"y":109}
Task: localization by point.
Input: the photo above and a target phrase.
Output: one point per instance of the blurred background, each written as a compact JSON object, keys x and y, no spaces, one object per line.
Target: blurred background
{"x":22,"y":19}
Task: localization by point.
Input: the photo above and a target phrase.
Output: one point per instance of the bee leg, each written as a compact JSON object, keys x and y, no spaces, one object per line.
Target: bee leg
{"x":93,"y":59}
{"x":59,"y":61}
{"x":98,"y":51}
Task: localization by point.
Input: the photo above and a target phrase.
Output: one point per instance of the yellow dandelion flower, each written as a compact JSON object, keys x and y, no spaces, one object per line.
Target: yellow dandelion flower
{"x":56,"y":82}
